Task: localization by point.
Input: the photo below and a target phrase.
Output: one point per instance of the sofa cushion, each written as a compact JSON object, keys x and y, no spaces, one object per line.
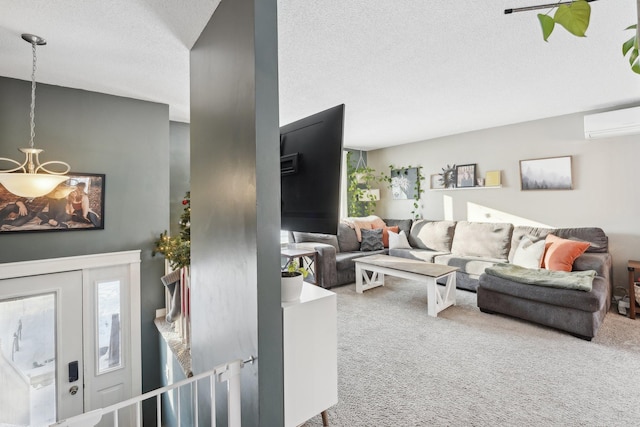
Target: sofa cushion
{"x":529,"y":253}
{"x":599,"y":241}
{"x":328,"y":239}
{"x":403,"y":224}
{"x":473,"y":266}
{"x":521,"y":231}
{"x":601,"y":263}
{"x":347,"y":238}
{"x":561,"y":253}
{"x":385,"y":234}
{"x":398,"y":240}
{"x":585,"y":301}
{"x":432,"y":235}
{"x":371,"y":240}
{"x":482,"y":239}
{"x":344,"y":260}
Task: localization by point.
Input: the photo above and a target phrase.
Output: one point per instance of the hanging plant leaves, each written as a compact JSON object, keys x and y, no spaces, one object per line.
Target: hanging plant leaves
{"x":547,"y":23}
{"x":631,"y":45}
{"x":574,"y":17}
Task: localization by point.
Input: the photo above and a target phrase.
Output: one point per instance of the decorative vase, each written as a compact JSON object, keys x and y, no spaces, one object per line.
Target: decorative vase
{"x":291,"y":286}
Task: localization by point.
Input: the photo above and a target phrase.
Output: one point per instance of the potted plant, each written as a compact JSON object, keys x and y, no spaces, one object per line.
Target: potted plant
{"x":291,"y":281}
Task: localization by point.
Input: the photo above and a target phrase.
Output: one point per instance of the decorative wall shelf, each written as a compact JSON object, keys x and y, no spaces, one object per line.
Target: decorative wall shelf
{"x":467,"y":188}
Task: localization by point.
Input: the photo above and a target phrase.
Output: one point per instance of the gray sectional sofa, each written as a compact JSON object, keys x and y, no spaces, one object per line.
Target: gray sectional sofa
{"x":474,"y":246}
{"x":578,"y":312}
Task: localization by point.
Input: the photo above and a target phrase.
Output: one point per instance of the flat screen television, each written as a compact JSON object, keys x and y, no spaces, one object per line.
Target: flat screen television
{"x":310,"y":166}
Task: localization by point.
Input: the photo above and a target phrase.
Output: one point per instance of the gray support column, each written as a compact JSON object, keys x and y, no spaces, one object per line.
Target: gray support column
{"x":235,"y":189}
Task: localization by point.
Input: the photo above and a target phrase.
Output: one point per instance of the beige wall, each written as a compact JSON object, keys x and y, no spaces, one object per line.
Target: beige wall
{"x":606,"y":175}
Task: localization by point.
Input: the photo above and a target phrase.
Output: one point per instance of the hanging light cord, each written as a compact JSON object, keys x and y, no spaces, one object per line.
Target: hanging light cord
{"x":33,"y":95}
{"x":31,"y":164}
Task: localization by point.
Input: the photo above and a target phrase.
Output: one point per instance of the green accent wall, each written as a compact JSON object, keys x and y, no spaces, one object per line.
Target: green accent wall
{"x":128,"y":141}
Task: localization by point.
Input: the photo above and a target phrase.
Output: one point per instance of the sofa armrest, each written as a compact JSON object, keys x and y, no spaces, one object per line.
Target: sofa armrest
{"x":326,"y":274}
{"x":599,"y":262}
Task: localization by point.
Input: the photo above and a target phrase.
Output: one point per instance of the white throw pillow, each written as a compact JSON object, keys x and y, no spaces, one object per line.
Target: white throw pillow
{"x":398,"y":240}
{"x":529,"y":254}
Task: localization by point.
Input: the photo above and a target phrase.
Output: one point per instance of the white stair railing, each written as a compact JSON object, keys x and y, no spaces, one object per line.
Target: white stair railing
{"x":227,"y":372}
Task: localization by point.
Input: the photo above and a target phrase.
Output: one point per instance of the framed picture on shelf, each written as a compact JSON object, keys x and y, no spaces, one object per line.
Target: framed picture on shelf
{"x":436,"y":182}
{"x":551,"y":173}
{"x":466,"y":175}
{"x":75,"y":204}
{"x":492,"y":179}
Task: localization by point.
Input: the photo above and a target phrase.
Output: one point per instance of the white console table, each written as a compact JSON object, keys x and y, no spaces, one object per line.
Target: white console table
{"x":310,"y":354}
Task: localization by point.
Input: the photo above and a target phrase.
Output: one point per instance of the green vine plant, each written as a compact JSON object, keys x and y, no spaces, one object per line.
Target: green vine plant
{"x":417,"y":187}
{"x":360,"y":201}
{"x":575,"y":17}
{"x":631,"y":45}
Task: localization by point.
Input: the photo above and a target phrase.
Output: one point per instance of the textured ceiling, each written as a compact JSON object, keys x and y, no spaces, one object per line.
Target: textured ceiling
{"x":407,"y":71}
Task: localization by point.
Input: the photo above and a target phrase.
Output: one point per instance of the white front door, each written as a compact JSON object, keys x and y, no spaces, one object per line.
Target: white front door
{"x":107,"y":345}
{"x":41,"y":360}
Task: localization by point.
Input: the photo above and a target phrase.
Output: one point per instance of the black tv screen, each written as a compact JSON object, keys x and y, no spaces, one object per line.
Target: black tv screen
{"x":310,"y":166}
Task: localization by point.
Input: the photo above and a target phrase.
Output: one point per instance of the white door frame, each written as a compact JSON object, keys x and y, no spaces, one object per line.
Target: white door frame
{"x":86,"y":263}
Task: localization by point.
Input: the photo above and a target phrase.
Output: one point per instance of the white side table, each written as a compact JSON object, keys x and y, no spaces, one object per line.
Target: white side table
{"x":310,"y":354}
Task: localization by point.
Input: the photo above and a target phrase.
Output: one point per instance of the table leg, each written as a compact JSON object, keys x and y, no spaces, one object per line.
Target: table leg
{"x":316,"y":272}
{"x":432,"y":307}
{"x":358,"y":278}
{"x":632,"y":299}
{"x":436,"y":301}
{"x":325,"y":419}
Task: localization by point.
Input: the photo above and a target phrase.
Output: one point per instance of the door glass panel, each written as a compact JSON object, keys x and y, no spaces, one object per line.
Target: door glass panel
{"x":109,"y":333}
{"x":27,"y":360}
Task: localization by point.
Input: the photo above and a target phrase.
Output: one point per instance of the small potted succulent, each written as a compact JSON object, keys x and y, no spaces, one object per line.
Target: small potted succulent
{"x":292,"y":277}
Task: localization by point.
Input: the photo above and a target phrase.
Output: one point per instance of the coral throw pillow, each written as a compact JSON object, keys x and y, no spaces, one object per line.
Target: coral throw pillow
{"x":385,"y":234}
{"x":562,"y":252}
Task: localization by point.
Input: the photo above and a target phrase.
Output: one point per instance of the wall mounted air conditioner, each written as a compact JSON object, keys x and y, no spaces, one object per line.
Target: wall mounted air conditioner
{"x":612,"y":123}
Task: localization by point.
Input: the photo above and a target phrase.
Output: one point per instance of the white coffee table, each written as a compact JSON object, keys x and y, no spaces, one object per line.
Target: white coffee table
{"x":425,"y":272}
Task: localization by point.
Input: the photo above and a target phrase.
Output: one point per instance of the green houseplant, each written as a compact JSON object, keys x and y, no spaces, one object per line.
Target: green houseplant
{"x":360,"y":202}
{"x":291,"y":279}
{"x":575,"y":17}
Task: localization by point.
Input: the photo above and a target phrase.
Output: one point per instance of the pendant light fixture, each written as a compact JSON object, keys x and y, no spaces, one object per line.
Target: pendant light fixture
{"x":30,"y":178}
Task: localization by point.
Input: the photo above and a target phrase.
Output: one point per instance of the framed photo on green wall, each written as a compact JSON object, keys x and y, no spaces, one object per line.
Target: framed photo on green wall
{"x":75,"y":204}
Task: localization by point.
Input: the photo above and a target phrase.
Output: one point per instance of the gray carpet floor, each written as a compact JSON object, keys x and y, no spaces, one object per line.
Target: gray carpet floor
{"x":399,"y":367}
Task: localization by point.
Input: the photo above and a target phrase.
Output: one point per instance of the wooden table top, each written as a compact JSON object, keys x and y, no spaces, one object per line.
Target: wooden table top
{"x":294,"y":252}
{"x":404,"y":264}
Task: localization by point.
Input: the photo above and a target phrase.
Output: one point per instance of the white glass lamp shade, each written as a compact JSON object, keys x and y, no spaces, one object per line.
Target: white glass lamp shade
{"x":31,"y":184}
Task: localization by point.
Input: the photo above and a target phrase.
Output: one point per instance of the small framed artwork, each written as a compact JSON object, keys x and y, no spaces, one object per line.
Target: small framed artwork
{"x":75,"y":204}
{"x":404,"y":183}
{"x":466,"y":175}
{"x":551,"y":173}
{"x":437,"y":182}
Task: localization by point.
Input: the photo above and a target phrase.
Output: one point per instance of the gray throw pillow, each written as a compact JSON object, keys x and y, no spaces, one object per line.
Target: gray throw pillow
{"x":371,"y":240}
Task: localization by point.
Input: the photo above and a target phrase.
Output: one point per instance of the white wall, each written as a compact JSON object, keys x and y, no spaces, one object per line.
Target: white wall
{"x":606,"y":174}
